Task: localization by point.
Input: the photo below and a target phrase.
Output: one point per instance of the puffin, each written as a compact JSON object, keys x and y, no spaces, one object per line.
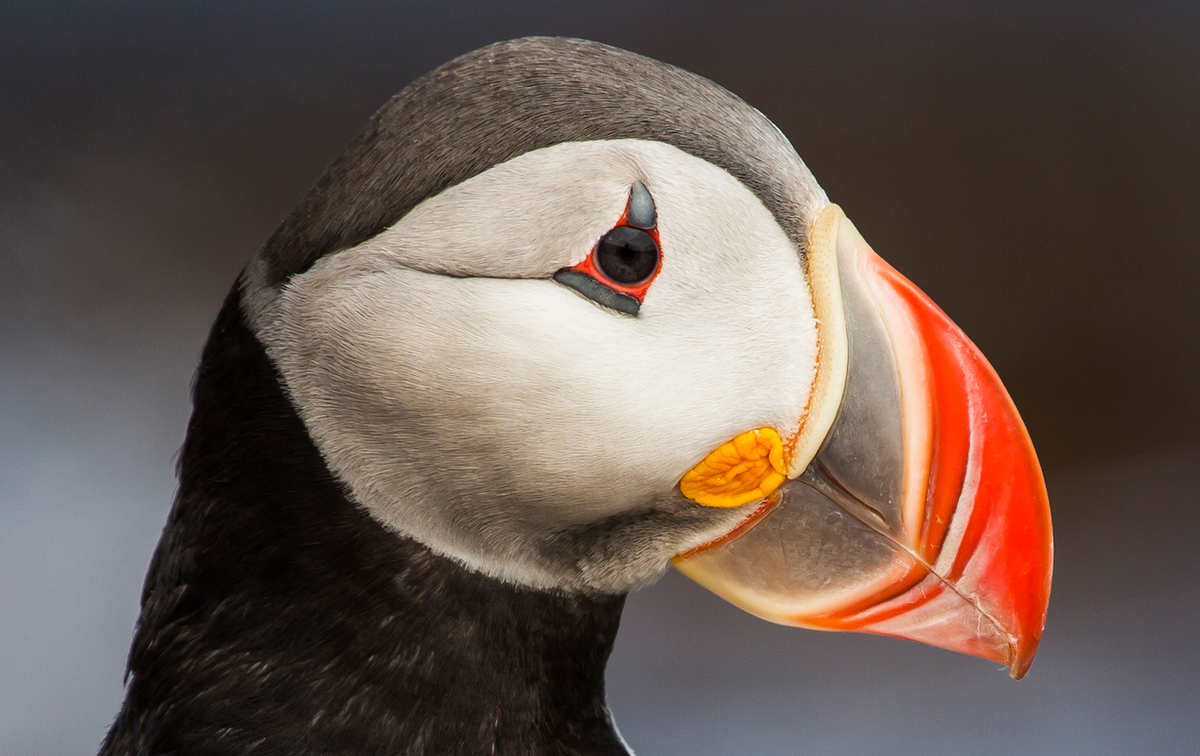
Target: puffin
{"x":560,"y":318}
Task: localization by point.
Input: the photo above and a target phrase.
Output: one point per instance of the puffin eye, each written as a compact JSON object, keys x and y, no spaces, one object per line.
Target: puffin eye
{"x":623,"y":264}
{"x":627,"y":256}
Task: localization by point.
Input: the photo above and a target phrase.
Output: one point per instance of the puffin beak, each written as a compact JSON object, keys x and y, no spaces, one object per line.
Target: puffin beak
{"x":910,"y":503}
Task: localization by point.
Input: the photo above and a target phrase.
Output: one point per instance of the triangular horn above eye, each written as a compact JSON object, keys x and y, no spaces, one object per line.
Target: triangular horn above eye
{"x":641,"y":212}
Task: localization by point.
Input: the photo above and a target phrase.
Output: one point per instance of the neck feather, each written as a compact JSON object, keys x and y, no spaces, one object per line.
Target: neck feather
{"x":278,"y":617}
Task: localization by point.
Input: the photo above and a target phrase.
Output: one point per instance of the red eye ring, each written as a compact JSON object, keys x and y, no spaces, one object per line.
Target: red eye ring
{"x":590,"y":268}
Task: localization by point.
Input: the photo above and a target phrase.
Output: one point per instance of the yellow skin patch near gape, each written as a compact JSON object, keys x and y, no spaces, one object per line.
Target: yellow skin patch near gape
{"x":748,"y":468}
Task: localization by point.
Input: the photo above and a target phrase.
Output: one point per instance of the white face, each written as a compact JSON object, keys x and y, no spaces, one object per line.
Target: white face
{"x":501,"y":418}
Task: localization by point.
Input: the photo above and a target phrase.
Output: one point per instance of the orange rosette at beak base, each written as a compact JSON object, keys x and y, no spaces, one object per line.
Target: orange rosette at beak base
{"x":748,"y":468}
{"x":923,"y":515}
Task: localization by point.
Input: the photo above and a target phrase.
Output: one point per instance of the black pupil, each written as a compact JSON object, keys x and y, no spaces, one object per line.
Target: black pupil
{"x":627,"y":255}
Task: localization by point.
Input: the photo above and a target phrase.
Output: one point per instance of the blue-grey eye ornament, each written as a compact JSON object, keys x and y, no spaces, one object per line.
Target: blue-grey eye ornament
{"x":640,"y":212}
{"x":620,"y":268}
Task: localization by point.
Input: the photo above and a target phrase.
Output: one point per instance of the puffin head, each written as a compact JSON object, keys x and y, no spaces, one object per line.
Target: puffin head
{"x":568,"y":315}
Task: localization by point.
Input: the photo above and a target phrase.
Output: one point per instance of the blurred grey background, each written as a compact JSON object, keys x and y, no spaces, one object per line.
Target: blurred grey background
{"x":1034,"y":166}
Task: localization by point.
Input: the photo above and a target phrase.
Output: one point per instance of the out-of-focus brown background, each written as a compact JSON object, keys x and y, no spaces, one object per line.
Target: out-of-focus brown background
{"x":1035,"y":167}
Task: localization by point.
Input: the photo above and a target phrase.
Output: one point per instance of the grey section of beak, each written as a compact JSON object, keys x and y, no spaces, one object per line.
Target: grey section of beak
{"x":860,"y":465}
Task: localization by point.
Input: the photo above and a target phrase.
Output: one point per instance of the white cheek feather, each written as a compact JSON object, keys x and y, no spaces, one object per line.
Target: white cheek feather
{"x":475,"y":412}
